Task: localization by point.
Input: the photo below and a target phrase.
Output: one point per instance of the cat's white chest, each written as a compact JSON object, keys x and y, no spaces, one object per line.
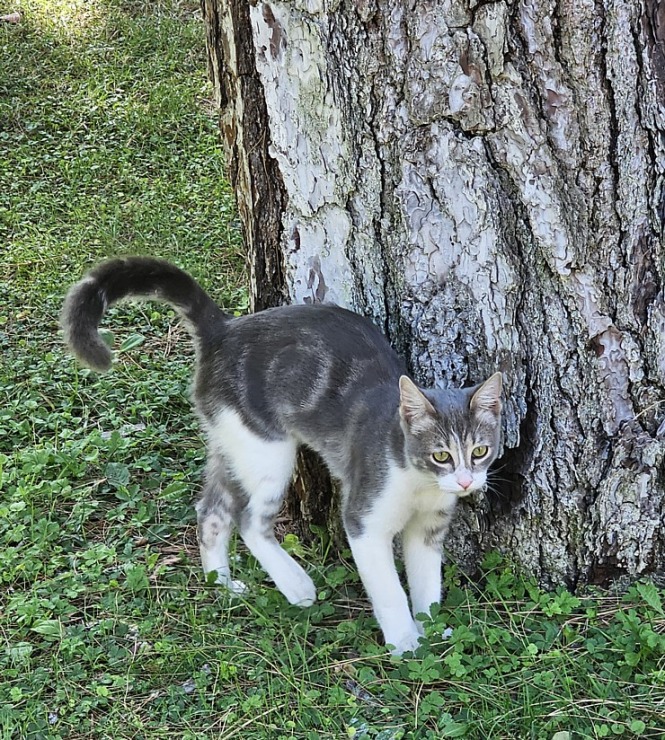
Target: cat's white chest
{"x":407,"y":493}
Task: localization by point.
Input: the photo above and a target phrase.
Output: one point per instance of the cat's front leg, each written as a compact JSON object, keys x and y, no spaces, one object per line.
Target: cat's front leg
{"x":422,"y":551}
{"x":423,"y":571}
{"x":373,"y":553}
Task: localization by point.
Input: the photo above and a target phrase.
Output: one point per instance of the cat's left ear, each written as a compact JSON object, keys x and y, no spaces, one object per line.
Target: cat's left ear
{"x":415,"y":409}
{"x":488,"y":395}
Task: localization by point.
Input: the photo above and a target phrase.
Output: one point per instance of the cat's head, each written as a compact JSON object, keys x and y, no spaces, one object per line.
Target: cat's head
{"x":452,"y":434}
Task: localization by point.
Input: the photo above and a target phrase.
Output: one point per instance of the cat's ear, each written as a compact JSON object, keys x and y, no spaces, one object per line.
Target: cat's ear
{"x":487,"y":397}
{"x":415,"y":409}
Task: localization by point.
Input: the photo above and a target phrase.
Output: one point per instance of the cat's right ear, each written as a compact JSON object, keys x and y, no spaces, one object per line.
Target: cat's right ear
{"x":415,"y":409}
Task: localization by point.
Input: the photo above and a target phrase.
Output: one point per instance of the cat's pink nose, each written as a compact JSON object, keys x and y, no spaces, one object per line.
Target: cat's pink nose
{"x":465,"y":481}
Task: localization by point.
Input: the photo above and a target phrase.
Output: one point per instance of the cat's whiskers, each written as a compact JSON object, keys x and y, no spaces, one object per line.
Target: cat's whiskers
{"x":497,"y":491}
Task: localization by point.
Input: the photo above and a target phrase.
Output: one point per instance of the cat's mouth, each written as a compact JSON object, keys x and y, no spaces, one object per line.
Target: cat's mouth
{"x":460,"y":492}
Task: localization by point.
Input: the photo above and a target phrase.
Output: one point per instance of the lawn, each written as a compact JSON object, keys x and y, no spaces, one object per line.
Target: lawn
{"x":108,"y":145}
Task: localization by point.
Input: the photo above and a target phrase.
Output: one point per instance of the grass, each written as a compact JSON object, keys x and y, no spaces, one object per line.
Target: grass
{"x":108,"y":145}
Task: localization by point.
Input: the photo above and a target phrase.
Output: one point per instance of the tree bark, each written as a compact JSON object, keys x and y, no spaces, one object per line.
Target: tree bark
{"x":485,"y":181}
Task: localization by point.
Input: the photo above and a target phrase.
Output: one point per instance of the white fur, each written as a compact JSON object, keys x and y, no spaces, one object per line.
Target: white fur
{"x":451,"y":481}
{"x":373,"y":554}
{"x":423,"y":565}
{"x":410,"y":502}
{"x":264,"y":468}
{"x":214,"y":536}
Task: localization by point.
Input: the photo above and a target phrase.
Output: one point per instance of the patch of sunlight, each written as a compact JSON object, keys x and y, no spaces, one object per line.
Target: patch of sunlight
{"x":66,"y":20}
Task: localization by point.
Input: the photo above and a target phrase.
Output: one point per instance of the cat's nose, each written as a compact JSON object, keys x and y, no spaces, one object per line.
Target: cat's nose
{"x":464,"y":480}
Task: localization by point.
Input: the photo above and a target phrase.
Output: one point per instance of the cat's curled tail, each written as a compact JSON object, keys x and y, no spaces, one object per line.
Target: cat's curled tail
{"x":137,"y":277}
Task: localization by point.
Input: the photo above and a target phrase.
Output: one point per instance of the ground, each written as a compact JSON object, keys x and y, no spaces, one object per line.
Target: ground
{"x":108,"y":145}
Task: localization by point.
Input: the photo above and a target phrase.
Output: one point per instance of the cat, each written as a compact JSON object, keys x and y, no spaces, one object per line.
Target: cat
{"x":321,"y":376}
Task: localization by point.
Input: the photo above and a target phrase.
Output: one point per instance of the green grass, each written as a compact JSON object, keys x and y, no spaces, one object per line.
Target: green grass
{"x":108,"y":145}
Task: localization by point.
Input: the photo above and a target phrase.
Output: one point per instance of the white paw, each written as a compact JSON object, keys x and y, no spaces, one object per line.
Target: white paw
{"x":405,"y":643}
{"x":300,"y":590}
{"x":234,"y":587}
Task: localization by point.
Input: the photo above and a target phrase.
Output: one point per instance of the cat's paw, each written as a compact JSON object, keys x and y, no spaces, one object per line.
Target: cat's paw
{"x":405,"y":643}
{"x":235,"y":587}
{"x":300,"y":591}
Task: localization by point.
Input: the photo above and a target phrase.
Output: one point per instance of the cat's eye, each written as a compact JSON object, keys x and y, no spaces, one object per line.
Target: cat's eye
{"x":478,"y":452}
{"x":441,"y":457}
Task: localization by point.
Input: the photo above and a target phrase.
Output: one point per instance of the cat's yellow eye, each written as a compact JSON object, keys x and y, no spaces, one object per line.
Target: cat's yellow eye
{"x":478,"y":452}
{"x":441,"y":457}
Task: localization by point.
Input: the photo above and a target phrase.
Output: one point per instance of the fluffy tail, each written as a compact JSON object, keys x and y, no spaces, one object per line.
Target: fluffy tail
{"x":139,"y":277}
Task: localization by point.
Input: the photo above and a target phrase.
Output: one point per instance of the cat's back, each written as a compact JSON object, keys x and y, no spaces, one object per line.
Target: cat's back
{"x":302,"y":365}
{"x":325,"y":328}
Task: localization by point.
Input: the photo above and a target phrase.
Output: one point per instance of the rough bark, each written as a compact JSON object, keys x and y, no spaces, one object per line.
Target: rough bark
{"x":485,"y":181}
{"x":261,"y":198}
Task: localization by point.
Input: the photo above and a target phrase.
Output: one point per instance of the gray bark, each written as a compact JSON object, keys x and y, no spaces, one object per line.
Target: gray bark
{"x":485,"y":181}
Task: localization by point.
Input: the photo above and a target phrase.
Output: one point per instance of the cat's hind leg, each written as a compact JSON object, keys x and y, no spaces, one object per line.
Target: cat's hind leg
{"x":268,"y":483}
{"x":215,"y":512}
{"x":263,"y":469}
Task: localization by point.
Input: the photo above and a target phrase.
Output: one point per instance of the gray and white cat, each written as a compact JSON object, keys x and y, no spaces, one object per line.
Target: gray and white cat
{"x":326,"y":378}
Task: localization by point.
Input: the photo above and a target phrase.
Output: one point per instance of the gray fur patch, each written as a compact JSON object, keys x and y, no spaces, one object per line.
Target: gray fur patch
{"x":222,"y":494}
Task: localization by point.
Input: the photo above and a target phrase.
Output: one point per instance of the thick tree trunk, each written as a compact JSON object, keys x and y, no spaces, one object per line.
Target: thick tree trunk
{"x":485,"y":181}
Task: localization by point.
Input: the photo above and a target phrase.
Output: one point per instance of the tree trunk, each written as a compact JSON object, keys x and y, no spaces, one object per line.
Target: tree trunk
{"x":485,"y":181}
